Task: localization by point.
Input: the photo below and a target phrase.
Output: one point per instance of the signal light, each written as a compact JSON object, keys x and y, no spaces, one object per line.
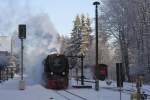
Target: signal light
{"x":51,"y":73}
{"x":22,"y":31}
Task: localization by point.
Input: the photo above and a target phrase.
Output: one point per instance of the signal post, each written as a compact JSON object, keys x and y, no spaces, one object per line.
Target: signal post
{"x":22,"y":35}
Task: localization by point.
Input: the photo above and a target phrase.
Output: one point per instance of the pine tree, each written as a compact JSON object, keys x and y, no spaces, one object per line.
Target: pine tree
{"x":74,"y":43}
{"x":79,"y":40}
{"x":75,"y":40}
{"x":86,"y":31}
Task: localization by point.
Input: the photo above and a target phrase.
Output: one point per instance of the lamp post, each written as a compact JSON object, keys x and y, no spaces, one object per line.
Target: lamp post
{"x":96,"y":3}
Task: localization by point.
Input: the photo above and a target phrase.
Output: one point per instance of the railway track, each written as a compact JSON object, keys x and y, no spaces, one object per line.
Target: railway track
{"x":62,"y":95}
{"x":124,"y":89}
{"x":69,"y":95}
{"x":142,"y":88}
{"x":128,"y":91}
{"x":146,"y":90}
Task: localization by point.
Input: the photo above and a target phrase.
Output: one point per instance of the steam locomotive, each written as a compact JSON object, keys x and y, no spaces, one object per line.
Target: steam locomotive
{"x":56,"y":70}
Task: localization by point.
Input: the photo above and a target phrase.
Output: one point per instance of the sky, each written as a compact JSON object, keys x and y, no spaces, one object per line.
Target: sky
{"x":61,"y":12}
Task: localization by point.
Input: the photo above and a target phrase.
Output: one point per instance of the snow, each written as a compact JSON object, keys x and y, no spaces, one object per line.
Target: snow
{"x":9,"y":90}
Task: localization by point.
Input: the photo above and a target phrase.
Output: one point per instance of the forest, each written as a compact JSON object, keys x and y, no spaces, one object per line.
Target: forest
{"x":124,"y":37}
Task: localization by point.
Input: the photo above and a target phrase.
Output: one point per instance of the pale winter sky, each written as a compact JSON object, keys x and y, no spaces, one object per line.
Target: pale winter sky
{"x":61,"y":12}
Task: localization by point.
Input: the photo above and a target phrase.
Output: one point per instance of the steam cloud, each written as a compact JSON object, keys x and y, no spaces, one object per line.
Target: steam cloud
{"x":41,"y":35}
{"x":41,"y":38}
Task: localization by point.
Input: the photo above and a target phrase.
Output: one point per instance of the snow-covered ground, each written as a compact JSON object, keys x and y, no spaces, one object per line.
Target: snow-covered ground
{"x":9,"y":91}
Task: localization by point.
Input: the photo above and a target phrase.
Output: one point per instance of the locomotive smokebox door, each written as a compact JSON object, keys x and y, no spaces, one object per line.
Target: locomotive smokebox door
{"x":22,"y":31}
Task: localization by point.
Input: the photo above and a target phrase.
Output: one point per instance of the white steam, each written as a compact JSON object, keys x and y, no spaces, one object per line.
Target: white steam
{"x":5,"y":43}
{"x":13,"y":12}
{"x":41,"y":39}
{"x":41,"y":35}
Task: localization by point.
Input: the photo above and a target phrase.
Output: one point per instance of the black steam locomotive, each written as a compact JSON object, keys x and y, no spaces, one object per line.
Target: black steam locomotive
{"x":56,"y":70}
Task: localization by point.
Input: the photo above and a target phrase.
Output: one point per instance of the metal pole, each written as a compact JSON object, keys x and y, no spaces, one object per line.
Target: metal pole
{"x":120,"y":93}
{"x":77,"y":75}
{"x":11,"y":46}
{"x":21,"y":59}
{"x":82,"y":76}
{"x":96,"y":43}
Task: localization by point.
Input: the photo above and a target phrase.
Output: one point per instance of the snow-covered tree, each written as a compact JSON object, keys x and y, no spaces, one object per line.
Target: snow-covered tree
{"x":79,"y":41}
{"x":86,"y":32}
{"x":128,"y":22}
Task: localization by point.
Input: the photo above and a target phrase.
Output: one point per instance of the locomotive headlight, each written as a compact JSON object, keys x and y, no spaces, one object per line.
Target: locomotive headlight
{"x":63,"y":73}
{"x":51,"y":73}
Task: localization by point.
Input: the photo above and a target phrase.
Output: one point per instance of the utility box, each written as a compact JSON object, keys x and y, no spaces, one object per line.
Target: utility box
{"x":22,"y":85}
